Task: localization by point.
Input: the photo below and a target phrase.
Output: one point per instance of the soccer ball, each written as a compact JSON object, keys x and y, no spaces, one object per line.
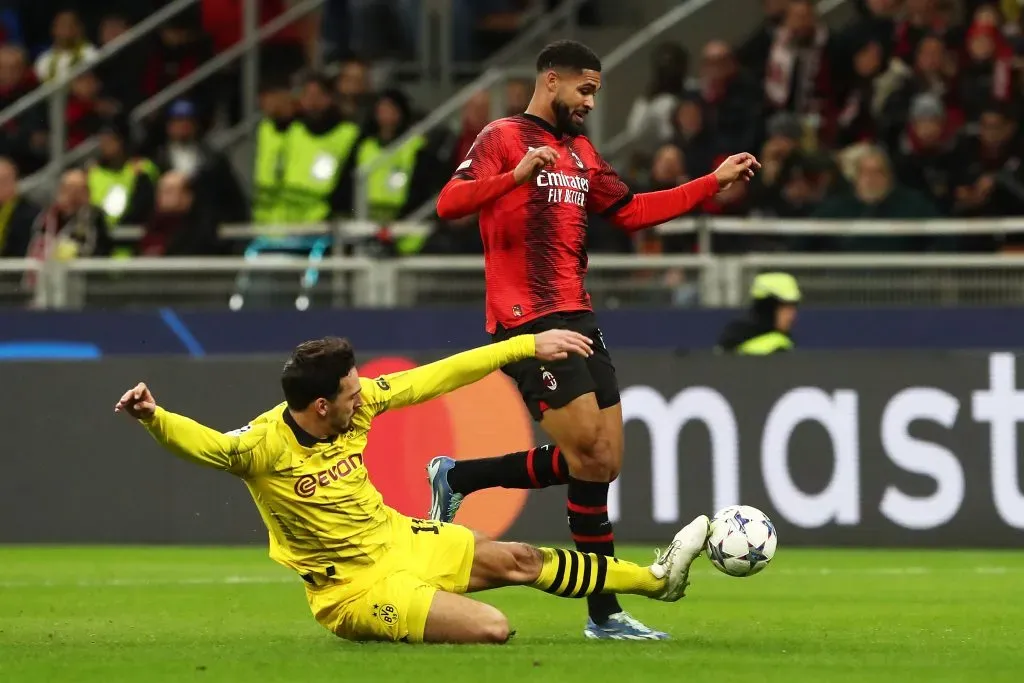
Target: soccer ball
{"x":742,"y":540}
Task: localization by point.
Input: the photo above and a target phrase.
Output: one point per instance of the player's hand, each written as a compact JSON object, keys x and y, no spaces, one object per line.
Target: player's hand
{"x":137,"y":402}
{"x":534,"y":160}
{"x":738,"y":167}
{"x":558,"y":344}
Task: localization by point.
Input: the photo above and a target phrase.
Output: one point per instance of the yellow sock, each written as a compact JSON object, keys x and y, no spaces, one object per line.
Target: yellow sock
{"x":572,"y":574}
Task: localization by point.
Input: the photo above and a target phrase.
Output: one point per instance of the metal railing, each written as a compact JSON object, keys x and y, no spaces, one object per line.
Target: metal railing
{"x":703,"y":226}
{"x":205,"y":282}
{"x":703,"y":279}
{"x":887,"y":279}
{"x":614,"y":281}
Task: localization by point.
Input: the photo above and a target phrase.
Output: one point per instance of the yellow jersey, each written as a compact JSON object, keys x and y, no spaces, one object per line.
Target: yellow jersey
{"x":319,"y":506}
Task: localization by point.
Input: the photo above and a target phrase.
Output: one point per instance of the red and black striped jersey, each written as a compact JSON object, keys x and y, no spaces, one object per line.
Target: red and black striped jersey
{"x":535,"y":235}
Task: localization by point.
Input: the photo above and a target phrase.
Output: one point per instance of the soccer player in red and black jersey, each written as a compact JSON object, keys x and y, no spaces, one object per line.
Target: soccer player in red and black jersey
{"x":534,"y":178}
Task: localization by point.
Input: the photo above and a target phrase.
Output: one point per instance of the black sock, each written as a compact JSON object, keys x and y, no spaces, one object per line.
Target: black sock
{"x":592,"y":532}
{"x":537,"y":468}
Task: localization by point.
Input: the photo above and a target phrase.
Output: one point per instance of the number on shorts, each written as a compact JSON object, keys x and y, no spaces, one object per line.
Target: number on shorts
{"x":421,"y":526}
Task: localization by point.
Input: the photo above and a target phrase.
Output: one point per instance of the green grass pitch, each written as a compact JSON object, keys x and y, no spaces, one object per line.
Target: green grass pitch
{"x":215,"y":614}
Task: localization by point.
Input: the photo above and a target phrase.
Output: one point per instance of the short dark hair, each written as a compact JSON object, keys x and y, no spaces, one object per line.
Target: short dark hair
{"x":275,"y":83}
{"x":1004,"y":109}
{"x":354,"y":58}
{"x":315,"y":370}
{"x":320,"y":79}
{"x":115,"y":15}
{"x":568,"y":54}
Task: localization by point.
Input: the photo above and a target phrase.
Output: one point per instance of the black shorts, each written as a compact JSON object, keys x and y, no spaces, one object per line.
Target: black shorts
{"x":555,"y":385}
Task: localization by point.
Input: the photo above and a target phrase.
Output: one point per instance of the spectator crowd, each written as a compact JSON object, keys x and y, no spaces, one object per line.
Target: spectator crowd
{"x":910,"y":112}
{"x":164,"y":175}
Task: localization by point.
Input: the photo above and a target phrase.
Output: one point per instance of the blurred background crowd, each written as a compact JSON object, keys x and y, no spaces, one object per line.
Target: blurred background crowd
{"x":908,"y":112}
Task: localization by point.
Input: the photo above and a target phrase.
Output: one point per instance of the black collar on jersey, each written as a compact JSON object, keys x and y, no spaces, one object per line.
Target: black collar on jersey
{"x":543,"y":124}
{"x":305,"y":439}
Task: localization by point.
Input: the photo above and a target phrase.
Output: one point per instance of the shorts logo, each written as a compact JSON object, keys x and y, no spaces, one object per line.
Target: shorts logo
{"x":517,"y":311}
{"x":383,"y":384}
{"x":549,"y":380}
{"x":386,"y":613}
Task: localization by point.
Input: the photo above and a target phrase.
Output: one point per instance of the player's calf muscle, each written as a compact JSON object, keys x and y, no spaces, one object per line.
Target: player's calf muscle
{"x":504,"y":564}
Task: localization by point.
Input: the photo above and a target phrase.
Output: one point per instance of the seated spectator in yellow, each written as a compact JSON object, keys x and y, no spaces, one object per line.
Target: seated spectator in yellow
{"x":122,"y":186}
{"x":277,"y":105}
{"x":396,"y":184}
{"x":317,"y":150}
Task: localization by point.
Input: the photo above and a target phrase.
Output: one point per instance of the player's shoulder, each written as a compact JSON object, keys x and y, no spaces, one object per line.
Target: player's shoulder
{"x":504,"y":126}
{"x":374,"y":385}
{"x":514,"y":121}
{"x":272,"y":416}
{"x":258,"y":428}
{"x":582,"y":142}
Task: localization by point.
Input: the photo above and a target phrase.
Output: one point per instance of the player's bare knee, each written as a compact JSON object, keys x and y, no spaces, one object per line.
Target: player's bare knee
{"x":597,"y":461}
{"x":493,"y":628}
{"x":614,"y":467}
{"x":611,"y":474}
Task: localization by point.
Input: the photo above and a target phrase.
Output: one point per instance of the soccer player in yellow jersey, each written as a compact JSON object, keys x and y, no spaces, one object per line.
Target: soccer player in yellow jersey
{"x":371,"y":572}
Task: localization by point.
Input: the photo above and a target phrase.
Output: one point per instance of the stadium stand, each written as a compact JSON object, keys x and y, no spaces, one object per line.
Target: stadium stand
{"x":880,"y":112}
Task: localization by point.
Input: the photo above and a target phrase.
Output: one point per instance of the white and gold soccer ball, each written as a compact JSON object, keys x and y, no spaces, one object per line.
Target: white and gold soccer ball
{"x":742,"y":540}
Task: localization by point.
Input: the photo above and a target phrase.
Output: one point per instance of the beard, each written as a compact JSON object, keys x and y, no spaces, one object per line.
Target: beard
{"x":564,"y":120}
{"x":338,"y":423}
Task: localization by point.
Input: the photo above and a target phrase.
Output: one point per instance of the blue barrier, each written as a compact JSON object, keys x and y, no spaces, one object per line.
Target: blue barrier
{"x":244,"y":332}
{"x":48,"y":350}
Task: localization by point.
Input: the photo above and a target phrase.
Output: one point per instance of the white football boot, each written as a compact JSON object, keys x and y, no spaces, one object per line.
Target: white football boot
{"x":674,"y":564}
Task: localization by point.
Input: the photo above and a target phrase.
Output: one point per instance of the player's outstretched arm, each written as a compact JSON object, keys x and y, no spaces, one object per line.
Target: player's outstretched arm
{"x":654,"y":208}
{"x":187,"y":438}
{"x":435,"y":379}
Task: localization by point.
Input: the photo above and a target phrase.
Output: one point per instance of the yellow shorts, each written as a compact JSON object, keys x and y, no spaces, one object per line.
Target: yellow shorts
{"x":390,"y":601}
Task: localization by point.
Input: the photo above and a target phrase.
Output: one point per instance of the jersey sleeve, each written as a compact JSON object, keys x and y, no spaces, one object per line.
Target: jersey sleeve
{"x":608,"y":192}
{"x":241,"y":452}
{"x":487,"y":157}
{"x":410,"y":387}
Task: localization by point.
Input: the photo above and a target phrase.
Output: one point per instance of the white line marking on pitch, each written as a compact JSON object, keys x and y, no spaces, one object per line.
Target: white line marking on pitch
{"x":129,"y":583}
{"x":232,"y":580}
